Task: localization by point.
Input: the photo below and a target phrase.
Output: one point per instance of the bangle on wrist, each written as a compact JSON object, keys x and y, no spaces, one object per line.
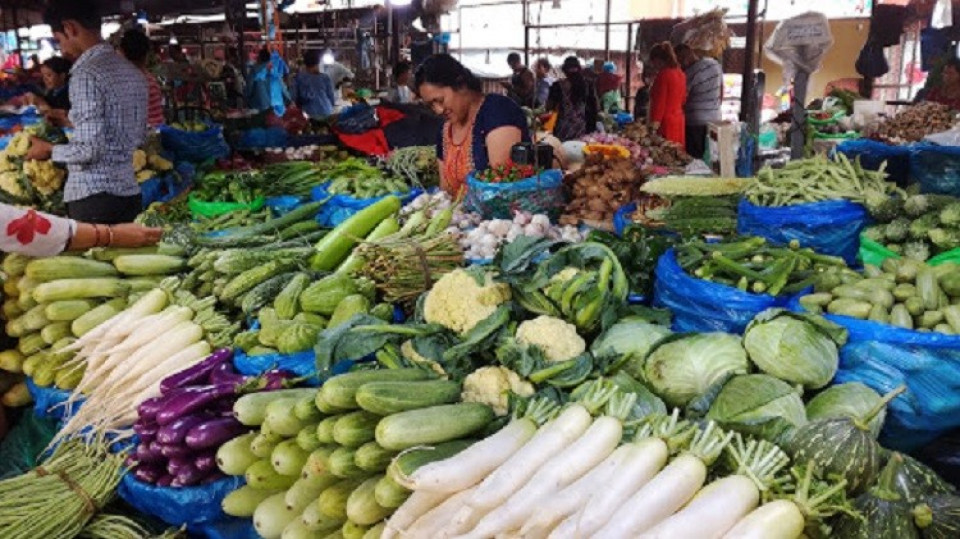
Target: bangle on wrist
{"x":96,"y":237}
{"x":109,"y":235}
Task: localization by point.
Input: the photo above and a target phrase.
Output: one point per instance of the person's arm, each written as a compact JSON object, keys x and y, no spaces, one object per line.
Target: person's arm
{"x":658,"y":100}
{"x":500,"y":142}
{"x":123,"y":235}
{"x":528,"y":83}
{"x":89,"y":116}
{"x":553,"y":97}
{"x":330,"y":91}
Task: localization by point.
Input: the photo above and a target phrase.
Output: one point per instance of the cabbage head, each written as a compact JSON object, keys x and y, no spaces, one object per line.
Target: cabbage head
{"x":796,"y":348}
{"x":627,"y":343}
{"x":683,"y":366}
{"x":852,"y":399}
{"x":760,"y":405}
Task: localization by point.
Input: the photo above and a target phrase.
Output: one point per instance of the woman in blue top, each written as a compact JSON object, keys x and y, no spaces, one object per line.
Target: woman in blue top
{"x":478,"y":130}
{"x":312,"y":89}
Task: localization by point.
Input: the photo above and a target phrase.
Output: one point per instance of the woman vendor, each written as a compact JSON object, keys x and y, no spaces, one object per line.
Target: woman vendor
{"x":55,"y":101}
{"x":478,"y":130}
{"x":948,"y":91}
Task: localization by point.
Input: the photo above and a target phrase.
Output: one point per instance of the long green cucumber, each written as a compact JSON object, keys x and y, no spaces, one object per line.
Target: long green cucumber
{"x":335,"y":246}
{"x":299,"y":214}
{"x":385,"y":228}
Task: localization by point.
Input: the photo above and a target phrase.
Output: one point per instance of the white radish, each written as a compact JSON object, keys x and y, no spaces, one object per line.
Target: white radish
{"x":669,"y":490}
{"x":417,"y":505}
{"x":470,"y":466}
{"x":571,"y":498}
{"x":151,"y":326}
{"x":574,"y":461}
{"x":179,"y":361}
{"x":435,"y":523}
{"x":712,"y":513}
{"x":779,"y":519}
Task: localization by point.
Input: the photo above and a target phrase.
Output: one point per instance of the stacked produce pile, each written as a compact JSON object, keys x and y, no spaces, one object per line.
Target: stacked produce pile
{"x":354,"y":177}
{"x":296,"y":178}
{"x":415,"y":164}
{"x":918,"y":226}
{"x":147,"y":164}
{"x":690,"y":206}
{"x":639,"y":154}
{"x":915,"y":122}
{"x":662,"y":152}
{"x":38,"y":184}
{"x":599,"y":189}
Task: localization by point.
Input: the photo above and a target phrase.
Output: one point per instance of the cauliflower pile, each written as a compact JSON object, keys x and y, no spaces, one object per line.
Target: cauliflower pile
{"x":557,"y":338}
{"x":44,"y":177}
{"x":492,"y":386}
{"x":459,"y":303}
{"x":47,"y":177}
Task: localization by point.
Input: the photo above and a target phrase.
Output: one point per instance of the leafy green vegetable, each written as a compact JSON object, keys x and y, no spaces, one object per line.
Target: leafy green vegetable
{"x":758,"y":404}
{"x":638,"y":250}
{"x":682,"y":366}
{"x":798,"y":348}
{"x":853,"y":399}
{"x":627,"y":343}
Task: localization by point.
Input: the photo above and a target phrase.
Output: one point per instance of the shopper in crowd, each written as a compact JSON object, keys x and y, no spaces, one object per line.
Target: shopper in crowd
{"x":402,"y":76}
{"x":312,"y":90}
{"x":55,"y":100}
{"x":340,"y":74}
{"x":542,"y":70}
{"x":608,"y":88}
{"x":668,"y":94}
{"x":947,"y":92}
{"x":574,"y":100}
{"x":258,"y":83}
{"x":641,"y":101}
{"x":109,"y":114}
{"x":522,"y":86}
{"x":704,"y":92}
{"x":232,"y":77}
{"x":135,"y":47}
{"x":479,"y":130}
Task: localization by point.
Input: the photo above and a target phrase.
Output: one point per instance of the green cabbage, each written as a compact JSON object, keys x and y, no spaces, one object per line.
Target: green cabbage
{"x":682,"y":367}
{"x":628,"y":342}
{"x":796,"y":348}
{"x":852,"y":399}
{"x":297,"y":337}
{"x":760,"y":405}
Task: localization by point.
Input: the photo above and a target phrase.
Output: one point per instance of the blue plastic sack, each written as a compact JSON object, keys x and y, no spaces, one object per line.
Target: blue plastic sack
{"x":622,"y":218}
{"x":831,"y":228}
{"x":703,"y":306}
{"x":339,"y":208}
{"x":301,"y":363}
{"x":936,"y":168}
{"x":195,"y":147}
{"x":873,"y":154}
{"x":179,"y":506}
{"x":282,"y":205}
{"x":538,"y":194}
{"x":49,"y":401}
{"x":884,"y":357}
{"x":259,"y":137}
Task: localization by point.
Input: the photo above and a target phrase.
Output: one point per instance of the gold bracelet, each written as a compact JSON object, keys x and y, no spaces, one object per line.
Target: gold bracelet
{"x":96,"y":231}
{"x":109,"y":235}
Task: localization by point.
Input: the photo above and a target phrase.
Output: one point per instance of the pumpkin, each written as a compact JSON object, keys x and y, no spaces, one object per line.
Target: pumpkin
{"x":842,"y":446}
{"x":939,"y":516}
{"x":915,"y":481}
{"x":883,"y":513}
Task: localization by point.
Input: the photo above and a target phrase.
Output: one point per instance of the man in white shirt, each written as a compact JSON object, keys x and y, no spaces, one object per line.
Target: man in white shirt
{"x":402,"y":93}
{"x":339,"y":74}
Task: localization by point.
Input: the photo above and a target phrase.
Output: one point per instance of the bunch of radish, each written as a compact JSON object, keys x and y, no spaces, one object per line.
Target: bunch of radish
{"x":604,"y":477}
{"x":180,"y":431}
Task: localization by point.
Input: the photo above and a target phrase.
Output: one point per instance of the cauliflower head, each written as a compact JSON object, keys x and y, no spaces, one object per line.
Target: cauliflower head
{"x":557,"y":338}
{"x":492,"y":386}
{"x":10,"y":182}
{"x":458,"y":302}
{"x":19,"y":144}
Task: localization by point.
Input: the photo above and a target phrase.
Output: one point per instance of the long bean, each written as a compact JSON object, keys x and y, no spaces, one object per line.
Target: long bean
{"x":818,"y":179}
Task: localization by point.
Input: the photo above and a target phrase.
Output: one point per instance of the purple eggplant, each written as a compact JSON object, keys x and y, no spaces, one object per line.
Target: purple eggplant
{"x":165,"y":480}
{"x":224,"y":373}
{"x":148,"y":473}
{"x":175,"y":431}
{"x":188,"y":476}
{"x":174,"y":451}
{"x":148,"y":430}
{"x":146,"y":439}
{"x":214,"y":433}
{"x":274,"y":379}
{"x":145,"y":453}
{"x":197,"y":374}
{"x":176,"y":464}
{"x":216,"y":475}
{"x":187,"y":403}
{"x":147,"y":410}
{"x":206,"y":462}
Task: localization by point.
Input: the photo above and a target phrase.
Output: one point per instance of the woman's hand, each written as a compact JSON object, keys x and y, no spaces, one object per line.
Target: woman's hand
{"x":134,"y":235}
{"x":40,"y":150}
{"x":56,"y":117}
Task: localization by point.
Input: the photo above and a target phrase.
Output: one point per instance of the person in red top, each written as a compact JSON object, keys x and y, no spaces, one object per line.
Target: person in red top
{"x":948,"y":91}
{"x":135,"y":47}
{"x":668,"y":94}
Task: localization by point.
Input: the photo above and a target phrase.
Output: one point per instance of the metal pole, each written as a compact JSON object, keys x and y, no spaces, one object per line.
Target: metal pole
{"x":390,"y":60}
{"x":16,"y":32}
{"x":628,"y":105}
{"x":526,"y":34}
{"x":747,"y":101}
{"x":606,"y":35}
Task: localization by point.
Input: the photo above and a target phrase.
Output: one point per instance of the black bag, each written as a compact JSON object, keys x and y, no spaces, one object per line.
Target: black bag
{"x":358,"y":119}
{"x":872,"y":63}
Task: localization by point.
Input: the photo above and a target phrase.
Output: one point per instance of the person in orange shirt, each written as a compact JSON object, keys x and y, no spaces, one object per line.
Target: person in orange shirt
{"x":668,"y":94}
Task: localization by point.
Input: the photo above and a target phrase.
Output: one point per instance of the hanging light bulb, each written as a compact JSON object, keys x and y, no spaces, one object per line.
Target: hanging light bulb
{"x":173,"y":40}
{"x":327,"y":57}
{"x":556,"y":4}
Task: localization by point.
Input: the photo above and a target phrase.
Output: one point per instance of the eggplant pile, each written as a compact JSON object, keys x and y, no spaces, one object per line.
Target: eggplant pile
{"x":180,"y":430}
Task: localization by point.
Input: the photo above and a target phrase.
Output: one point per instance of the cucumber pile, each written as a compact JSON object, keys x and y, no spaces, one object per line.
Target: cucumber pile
{"x":328,"y":460}
{"x":902,"y":292}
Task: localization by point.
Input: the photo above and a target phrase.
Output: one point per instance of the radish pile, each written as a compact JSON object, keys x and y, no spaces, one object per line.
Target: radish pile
{"x":612,"y":476}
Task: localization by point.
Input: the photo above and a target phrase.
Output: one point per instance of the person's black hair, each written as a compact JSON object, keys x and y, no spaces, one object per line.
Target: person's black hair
{"x":545,"y":63}
{"x":445,"y":71}
{"x":513,"y":58}
{"x":574,"y":73}
{"x":135,"y":46}
{"x":401,"y":68}
{"x":311,"y":58}
{"x":58,"y":64}
{"x":263,"y":56}
{"x":86,"y":13}
{"x":664,"y":53}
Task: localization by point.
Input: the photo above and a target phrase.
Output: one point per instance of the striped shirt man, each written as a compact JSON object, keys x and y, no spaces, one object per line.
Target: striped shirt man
{"x":704,"y":82}
{"x":109,"y":98}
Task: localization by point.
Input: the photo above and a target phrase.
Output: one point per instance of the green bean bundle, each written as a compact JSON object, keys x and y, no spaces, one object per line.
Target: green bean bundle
{"x":820,"y":179}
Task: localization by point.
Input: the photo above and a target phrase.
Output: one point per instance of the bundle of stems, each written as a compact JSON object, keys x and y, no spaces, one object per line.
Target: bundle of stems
{"x":58,"y":498}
